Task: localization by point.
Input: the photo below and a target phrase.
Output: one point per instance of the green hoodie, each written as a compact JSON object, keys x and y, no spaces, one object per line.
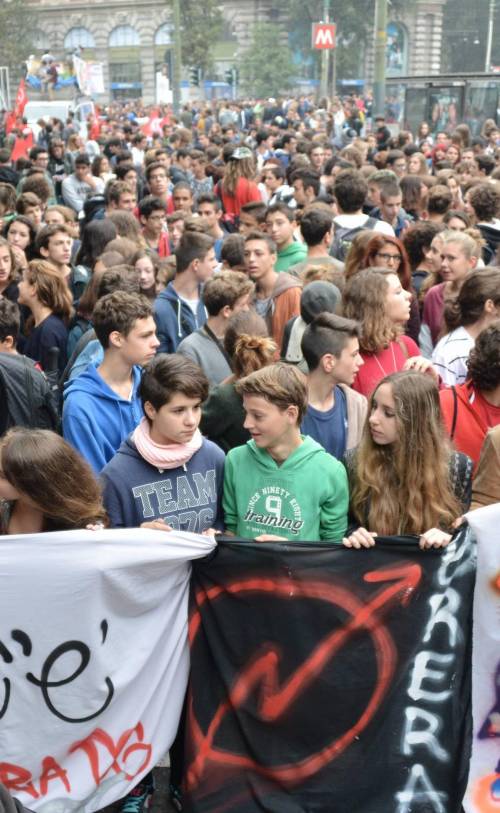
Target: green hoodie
{"x":291,"y":255}
{"x":305,"y":499}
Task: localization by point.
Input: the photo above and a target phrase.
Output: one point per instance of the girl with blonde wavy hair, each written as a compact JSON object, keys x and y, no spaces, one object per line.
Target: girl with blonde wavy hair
{"x":375,"y":298}
{"x":404,"y":476}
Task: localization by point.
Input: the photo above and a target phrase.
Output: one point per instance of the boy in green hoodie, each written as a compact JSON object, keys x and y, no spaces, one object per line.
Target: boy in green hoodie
{"x":280,"y":484}
{"x":281,"y":225}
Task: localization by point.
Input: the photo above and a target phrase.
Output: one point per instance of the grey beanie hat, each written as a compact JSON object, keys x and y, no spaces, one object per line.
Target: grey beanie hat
{"x":317,"y":297}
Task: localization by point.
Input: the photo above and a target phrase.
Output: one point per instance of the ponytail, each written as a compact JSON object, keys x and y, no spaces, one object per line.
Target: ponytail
{"x":251,"y":353}
{"x":467,"y":307}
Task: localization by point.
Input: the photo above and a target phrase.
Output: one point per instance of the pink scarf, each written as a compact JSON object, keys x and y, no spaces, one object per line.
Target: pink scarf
{"x":162,"y":457}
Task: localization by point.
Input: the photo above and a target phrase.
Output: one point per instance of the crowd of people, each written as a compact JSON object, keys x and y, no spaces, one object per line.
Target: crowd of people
{"x":269,"y":320}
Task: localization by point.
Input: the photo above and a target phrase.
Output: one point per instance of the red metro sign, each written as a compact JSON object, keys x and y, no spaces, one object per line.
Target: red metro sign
{"x":323,"y":35}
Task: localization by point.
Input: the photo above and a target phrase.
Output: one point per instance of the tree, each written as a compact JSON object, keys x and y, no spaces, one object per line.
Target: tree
{"x":465,"y":27}
{"x":17,"y":34}
{"x":266,"y":66}
{"x":202,"y":26}
{"x":354,"y":22}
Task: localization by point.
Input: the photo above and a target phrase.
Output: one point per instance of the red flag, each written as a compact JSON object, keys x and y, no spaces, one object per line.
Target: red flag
{"x":22,"y":145}
{"x":21,"y":99}
{"x":10,"y":121}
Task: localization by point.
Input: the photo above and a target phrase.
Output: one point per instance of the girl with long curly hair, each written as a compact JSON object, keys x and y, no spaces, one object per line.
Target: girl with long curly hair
{"x":45,"y":485}
{"x":238,"y":186}
{"x":375,"y":298}
{"x":45,"y":292}
{"x":404,"y":476}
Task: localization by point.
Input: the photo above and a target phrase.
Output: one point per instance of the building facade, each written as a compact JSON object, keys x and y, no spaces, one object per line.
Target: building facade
{"x":133,"y":39}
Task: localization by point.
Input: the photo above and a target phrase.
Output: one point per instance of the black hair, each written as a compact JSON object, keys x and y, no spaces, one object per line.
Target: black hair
{"x":169,"y":373}
{"x":10,"y":319}
{"x":350,"y":190}
{"x":150,"y":204}
{"x":327,"y":333}
{"x":315,"y":222}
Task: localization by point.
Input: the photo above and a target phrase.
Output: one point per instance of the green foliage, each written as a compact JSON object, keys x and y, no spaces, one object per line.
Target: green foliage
{"x":354,"y":22}
{"x":266,"y":66}
{"x":465,"y":27}
{"x":202,"y":26}
{"x":17,"y":32}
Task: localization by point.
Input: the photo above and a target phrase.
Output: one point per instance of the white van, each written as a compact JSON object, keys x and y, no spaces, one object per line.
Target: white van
{"x":34,"y":111}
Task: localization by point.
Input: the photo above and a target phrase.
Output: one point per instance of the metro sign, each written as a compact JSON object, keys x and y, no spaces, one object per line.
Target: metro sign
{"x":323,"y":35}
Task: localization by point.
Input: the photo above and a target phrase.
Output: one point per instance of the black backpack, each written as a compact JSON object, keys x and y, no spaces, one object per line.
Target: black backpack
{"x":343,"y":237}
{"x":26,"y":397}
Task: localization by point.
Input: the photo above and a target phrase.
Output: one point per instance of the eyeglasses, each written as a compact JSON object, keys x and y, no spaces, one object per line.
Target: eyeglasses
{"x":389,"y":258}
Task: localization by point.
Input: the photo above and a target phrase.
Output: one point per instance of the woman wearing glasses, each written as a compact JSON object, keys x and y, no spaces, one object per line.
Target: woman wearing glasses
{"x":383,"y":251}
{"x":376,"y":298}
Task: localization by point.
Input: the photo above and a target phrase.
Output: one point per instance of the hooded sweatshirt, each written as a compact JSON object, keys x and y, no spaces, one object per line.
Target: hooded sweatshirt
{"x":188,"y":498}
{"x":174,"y":318}
{"x":290,"y":255}
{"x":305,"y":499}
{"x":96,"y":419}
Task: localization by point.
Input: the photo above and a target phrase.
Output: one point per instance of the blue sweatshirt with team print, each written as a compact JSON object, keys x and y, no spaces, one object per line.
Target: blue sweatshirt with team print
{"x":188,"y":498}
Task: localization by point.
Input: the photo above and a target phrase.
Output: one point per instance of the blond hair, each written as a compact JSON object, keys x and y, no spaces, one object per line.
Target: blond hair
{"x":281,"y":384}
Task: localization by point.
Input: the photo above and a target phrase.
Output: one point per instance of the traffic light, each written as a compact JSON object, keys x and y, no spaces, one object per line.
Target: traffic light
{"x":232,"y":76}
{"x":195,"y":75}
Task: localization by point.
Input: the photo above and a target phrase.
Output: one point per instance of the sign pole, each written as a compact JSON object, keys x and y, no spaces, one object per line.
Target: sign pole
{"x":325,"y":56}
{"x":323,"y":38}
{"x":380,"y":56}
{"x":176,"y":78}
{"x":489,"y":41}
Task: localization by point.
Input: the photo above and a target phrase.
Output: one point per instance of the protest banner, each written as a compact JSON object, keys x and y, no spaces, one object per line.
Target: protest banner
{"x":329,"y":679}
{"x":94,"y":661}
{"x":483,"y":792}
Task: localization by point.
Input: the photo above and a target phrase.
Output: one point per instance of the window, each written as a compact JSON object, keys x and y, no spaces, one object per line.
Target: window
{"x":122,"y":36}
{"x":78,"y":37}
{"x":125,"y":73}
{"x":164,"y":34}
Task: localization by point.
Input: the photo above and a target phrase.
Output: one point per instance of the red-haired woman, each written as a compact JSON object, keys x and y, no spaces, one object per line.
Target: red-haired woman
{"x":384,"y":251}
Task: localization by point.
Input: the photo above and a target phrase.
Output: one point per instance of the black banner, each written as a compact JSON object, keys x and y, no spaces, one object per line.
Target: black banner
{"x":332,"y":680}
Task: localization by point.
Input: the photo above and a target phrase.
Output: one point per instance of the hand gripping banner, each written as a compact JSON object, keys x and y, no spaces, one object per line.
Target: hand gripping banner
{"x":93,"y":661}
{"x":330,"y":680}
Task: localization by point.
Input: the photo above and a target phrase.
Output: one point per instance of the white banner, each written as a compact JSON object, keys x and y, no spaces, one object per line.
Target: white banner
{"x":93,"y":661}
{"x":89,"y":76}
{"x":483,"y":793}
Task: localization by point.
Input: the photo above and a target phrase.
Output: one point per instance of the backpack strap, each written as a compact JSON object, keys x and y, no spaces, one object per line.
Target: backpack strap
{"x":211,"y":335}
{"x":455,"y":412}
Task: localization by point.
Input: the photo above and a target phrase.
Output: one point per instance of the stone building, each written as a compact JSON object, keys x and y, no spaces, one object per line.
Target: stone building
{"x":133,"y":39}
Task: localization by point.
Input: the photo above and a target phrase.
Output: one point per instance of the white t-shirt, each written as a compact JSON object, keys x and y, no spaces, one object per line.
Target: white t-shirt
{"x":354,"y":221}
{"x":450,"y":356}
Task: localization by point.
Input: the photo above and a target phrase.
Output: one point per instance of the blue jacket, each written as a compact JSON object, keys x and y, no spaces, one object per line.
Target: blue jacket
{"x":188,"y":498}
{"x":174,"y":319}
{"x":96,"y":419}
{"x":403,"y":220}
